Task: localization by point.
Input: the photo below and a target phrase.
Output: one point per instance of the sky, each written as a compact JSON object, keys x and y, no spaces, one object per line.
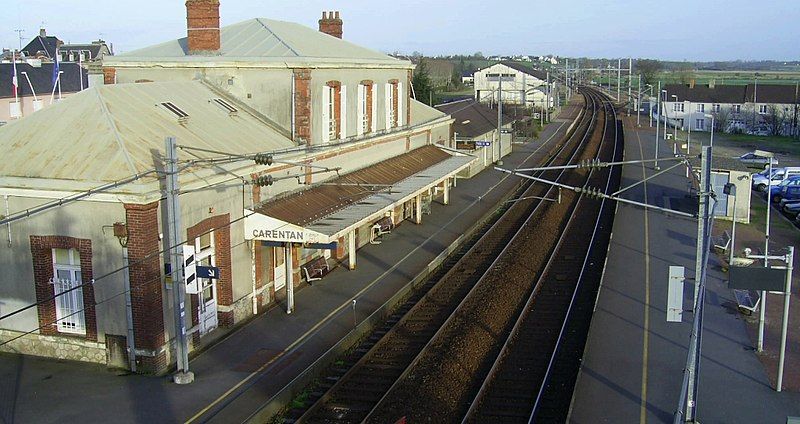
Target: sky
{"x":711,"y":30}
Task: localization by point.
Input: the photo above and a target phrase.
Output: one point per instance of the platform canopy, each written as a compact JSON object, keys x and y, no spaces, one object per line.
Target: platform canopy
{"x":330,"y":210}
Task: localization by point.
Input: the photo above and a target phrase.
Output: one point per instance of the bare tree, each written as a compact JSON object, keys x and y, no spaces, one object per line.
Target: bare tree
{"x":649,"y":69}
{"x":722,"y":119}
{"x":775,"y":118}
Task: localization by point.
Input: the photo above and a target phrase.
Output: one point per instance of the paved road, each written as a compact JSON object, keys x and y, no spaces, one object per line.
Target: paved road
{"x":632,"y":368}
{"x":248,"y":366}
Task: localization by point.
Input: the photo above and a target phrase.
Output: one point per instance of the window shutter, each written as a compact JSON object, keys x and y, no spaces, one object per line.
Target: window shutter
{"x":343,"y":116}
{"x":401,"y":99}
{"x":360,"y":105}
{"x":326,"y":115}
{"x":373,"y":126}
{"x":388,"y":102}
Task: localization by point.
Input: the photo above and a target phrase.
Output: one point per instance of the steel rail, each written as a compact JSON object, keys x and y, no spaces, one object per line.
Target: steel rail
{"x":587,"y":121}
{"x":586,"y":136}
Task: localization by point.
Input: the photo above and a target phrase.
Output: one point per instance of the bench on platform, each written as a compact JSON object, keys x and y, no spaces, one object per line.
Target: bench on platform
{"x":383,"y":226}
{"x":747,"y":300}
{"x":723,"y":242}
{"x":316,"y":269}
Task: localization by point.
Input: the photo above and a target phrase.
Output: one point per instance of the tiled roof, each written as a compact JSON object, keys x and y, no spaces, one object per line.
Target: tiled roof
{"x":472,"y":119}
{"x":264,"y":40}
{"x":309,"y":205}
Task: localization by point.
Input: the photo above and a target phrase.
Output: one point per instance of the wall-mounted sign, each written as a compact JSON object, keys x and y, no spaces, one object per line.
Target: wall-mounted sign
{"x":265,"y":228}
{"x":483,"y":143}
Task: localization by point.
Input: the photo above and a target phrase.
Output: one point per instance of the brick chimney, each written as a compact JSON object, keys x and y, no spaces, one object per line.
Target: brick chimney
{"x":331,"y":24}
{"x":202,"y":26}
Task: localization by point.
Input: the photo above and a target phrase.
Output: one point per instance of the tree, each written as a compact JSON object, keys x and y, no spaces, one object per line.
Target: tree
{"x":722,"y":119}
{"x":423,"y":86}
{"x":775,"y":118}
{"x":649,"y":69}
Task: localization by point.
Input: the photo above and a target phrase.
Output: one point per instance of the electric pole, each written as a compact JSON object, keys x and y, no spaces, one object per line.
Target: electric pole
{"x":183,"y":375}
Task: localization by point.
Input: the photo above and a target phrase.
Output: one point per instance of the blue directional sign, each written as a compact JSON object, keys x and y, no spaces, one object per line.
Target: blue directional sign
{"x":207,"y":272}
{"x":483,"y":143}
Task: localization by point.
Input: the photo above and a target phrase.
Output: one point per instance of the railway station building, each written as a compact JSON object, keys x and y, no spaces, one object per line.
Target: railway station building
{"x":295,"y":148}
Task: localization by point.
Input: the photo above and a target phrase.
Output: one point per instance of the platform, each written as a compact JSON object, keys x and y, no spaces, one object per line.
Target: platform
{"x":633,"y":363}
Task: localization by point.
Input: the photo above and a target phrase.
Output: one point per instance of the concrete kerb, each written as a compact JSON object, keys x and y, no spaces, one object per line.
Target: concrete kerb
{"x":278,"y":403}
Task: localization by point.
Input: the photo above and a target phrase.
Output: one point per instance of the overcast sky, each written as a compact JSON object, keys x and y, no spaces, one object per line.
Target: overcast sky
{"x":674,"y":29}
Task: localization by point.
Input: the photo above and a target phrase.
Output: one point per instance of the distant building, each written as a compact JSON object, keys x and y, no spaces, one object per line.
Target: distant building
{"x":85,"y":53}
{"x":753,"y":108}
{"x":42,"y":46}
{"x":521,"y":85}
{"x":34,"y":75}
{"x":468,"y":78}
{"x":475,"y":124}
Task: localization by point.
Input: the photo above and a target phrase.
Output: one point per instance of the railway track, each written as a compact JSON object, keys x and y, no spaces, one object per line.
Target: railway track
{"x":533,"y":377}
{"x":375,"y":369}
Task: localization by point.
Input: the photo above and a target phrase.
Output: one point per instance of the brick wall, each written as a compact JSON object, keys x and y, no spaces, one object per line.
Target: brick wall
{"x":202,"y":23}
{"x":145,"y":279}
{"x":302,"y":105}
{"x":109,"y":75}
{"x":42,"y":253}
{"x":395,"y":102}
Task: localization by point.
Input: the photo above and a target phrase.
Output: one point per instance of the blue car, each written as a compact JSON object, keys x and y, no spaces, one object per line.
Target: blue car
{"x":777,"y":191}
{"x":790,"y":193}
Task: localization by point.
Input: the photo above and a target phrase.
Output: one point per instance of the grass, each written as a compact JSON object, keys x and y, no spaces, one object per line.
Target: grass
{"x":300,"y":400}
{"x":758,"y":216}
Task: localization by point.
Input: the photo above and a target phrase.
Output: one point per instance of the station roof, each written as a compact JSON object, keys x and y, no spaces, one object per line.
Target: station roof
{"x":336,"y":206}
{"x":264,"y":40}
{"x":472,"y":119}
{"x":108,"y":133}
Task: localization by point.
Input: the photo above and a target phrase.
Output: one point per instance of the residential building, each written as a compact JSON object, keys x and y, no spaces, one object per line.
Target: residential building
{"x":333,"y":123}
{"x":36,"y":89}
{"x":85,"y":53}
{"x":754,"y":108}
{"x":468,"y":78}
{"x":520,"y":84}
{"x":42,"y":46}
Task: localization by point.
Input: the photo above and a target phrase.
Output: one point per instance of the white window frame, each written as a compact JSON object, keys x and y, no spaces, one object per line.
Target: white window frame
{"x":342,"y":130}
{"x":701,"y":107}
{"x":736,"y":108}
{"x":328,"y":118}
{"x":700,"y":124}
{"x":763,"y":109}
{"x":374,"y":122}
{"x":716,"y":107}
{"x":400,"y":104}
{"x":70,"y":314}
{"x":362,"y":125}
{"x":389,"y":106}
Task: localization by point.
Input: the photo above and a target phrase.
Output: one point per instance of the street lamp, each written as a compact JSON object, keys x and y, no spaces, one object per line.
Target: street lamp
{"x":761,"y":317}
{"x":664,"y":93}
{"x":711,"y":142}
{"x":675,"y":124}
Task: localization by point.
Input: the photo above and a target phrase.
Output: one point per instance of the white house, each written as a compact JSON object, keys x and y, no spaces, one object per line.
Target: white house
{"x":753,"y":108}
{"x":521,"y":85}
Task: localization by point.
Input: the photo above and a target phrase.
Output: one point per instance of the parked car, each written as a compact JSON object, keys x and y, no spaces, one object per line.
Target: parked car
{"x":760,"y":180}
{"x":791,"y":208}
{"x":792,"y":193}
{"x":776,"y":191}
{"x":752,"y":159}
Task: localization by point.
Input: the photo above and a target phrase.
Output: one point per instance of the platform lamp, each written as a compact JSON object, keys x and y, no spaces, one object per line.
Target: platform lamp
{"x":730,"y":190}
{"x":761,"y":317}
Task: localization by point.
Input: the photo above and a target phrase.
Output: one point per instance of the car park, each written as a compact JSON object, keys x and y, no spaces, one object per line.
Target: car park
{"x":760,"y":180}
